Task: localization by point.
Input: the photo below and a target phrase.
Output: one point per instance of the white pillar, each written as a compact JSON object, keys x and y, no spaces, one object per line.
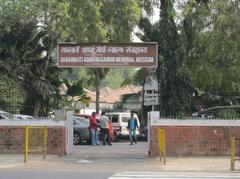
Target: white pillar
{"x":69,"y":132}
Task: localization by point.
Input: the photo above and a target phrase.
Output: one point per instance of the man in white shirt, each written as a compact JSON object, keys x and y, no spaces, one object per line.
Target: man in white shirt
{"x":104,"y":124}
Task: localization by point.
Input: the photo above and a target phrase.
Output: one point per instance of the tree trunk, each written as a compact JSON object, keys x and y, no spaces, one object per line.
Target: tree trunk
{"x":97,"y":98}
{"x":36,"y":109}
{"x":98,"y":82}
{"x":142,"y":112}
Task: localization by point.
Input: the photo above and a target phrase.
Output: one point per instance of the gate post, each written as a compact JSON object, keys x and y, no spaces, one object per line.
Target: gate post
{"x":45,"y":142}
{"x":162,"y":146}
{"x":26,"y":144}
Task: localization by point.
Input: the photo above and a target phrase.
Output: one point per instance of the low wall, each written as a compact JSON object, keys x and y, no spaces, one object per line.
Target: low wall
{"x":194,"y":137}
{"x":12,"y":136}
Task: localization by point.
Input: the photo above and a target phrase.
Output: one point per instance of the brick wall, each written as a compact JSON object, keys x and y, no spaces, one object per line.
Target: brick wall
{"x":12,"y":140}
{"x":194,"y":140}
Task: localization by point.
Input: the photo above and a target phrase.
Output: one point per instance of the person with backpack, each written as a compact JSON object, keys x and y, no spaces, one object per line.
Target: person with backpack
{"x":132,"y":127}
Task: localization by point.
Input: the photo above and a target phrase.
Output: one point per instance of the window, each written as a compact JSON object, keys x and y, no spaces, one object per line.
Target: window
{"x":115,"y":118}
{"x":125,"y":119}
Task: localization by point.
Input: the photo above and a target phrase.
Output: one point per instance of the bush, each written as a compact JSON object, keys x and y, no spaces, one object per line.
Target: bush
{"x":228,"y":114}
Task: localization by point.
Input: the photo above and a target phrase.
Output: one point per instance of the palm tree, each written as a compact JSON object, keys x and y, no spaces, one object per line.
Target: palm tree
{"x":76,"y":90}
{"x":96,"y":76}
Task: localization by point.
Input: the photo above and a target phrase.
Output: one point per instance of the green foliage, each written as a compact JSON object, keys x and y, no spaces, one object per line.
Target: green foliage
{"x":212,"y":31}
{"x":202,"y":52}
{"x":11,"y":97}
{"x":175,"y":84}
{"x":120,"y":18}
{"x":23,"y":41}
{"x":117,"y":76}
{"x":74,"y":89}
{"x":148,"y":5}
{"x":228,"y":114}
{"x":30,"y":30}
{"x":85,"y":21}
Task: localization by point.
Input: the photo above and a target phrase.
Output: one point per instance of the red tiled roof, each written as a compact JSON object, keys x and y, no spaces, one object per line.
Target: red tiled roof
{"x":117,"y":94}
{"x":113,"y":96}
{"x":105,"y":91}
{"x":90,"y":94}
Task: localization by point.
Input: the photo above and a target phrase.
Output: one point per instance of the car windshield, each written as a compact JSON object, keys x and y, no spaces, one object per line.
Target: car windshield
{"x":114,"y":118}
{"x":82,"y":121}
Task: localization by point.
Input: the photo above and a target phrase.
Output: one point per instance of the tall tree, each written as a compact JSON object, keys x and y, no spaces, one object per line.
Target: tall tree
{"x":52,"y":22}
{"x":212,"y":31}
{"x":28,"y":38}
{"x":173,"y":76}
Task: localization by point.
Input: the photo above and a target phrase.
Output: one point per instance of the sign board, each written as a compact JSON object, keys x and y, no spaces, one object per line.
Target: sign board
{"x":150,"y":98}
{"x":102,"y":55}
{"x":151,"y":83}
{"x":79,"y":105}
{"x":150,"y":91}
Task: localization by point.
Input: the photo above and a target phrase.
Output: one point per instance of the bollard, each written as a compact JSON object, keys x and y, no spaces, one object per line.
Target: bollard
{"x":161,"y":143}
{"x":45,"y":143}
{"x":26,"y":144}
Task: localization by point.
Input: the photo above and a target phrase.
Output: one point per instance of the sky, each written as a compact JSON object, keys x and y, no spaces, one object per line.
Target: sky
{"x":156,"y":15}
{"x":154,"y":18}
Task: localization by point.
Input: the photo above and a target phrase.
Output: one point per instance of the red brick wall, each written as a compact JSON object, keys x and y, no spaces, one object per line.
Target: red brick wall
{"x":193,"y":140}
{"x":12,"y":140}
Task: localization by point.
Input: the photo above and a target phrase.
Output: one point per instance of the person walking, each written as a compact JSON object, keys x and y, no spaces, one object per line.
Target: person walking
{"x":132,"y":126}
{"x":93,"y":129}
{"x":104,"y":123}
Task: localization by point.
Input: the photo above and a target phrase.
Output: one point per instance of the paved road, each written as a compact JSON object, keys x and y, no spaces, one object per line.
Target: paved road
{"x":110,"y":175}
{"x":175,"y":175}
{"x":53,"y":175}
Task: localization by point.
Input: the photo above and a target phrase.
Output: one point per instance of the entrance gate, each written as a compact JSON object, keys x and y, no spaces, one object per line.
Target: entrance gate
{"x":107,"y":55}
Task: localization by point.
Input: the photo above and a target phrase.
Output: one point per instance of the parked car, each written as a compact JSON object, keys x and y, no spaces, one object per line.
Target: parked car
{"x":23,"y":116}
{"x":80,"y":130}
{"x":120,"y":122}
{"x":143,"y":132}
{"x":6,"y":116}
{"x":219,"y":112}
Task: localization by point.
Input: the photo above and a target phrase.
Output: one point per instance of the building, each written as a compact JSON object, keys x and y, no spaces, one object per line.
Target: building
{"x":129,"y":96}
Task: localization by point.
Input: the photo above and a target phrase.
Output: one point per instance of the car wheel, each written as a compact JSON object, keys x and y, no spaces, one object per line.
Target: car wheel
{"x":76,"y":138}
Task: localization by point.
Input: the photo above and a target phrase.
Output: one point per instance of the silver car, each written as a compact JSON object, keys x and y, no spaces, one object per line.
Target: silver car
{"x":6,"y":116}
{"x":23,"y":116}
{"x":81,"y":130}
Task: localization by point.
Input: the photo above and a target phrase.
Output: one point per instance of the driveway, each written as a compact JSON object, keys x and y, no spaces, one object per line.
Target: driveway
{"x":120,"y":157}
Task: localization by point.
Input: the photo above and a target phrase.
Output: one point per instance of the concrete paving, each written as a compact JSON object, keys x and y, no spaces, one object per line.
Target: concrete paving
{"x":120,"y":157}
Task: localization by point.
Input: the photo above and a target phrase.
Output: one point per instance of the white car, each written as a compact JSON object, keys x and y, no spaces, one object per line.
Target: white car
{"x":6,"y":116}
{"x":23,"y":116}
{"x":120,"y":122}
